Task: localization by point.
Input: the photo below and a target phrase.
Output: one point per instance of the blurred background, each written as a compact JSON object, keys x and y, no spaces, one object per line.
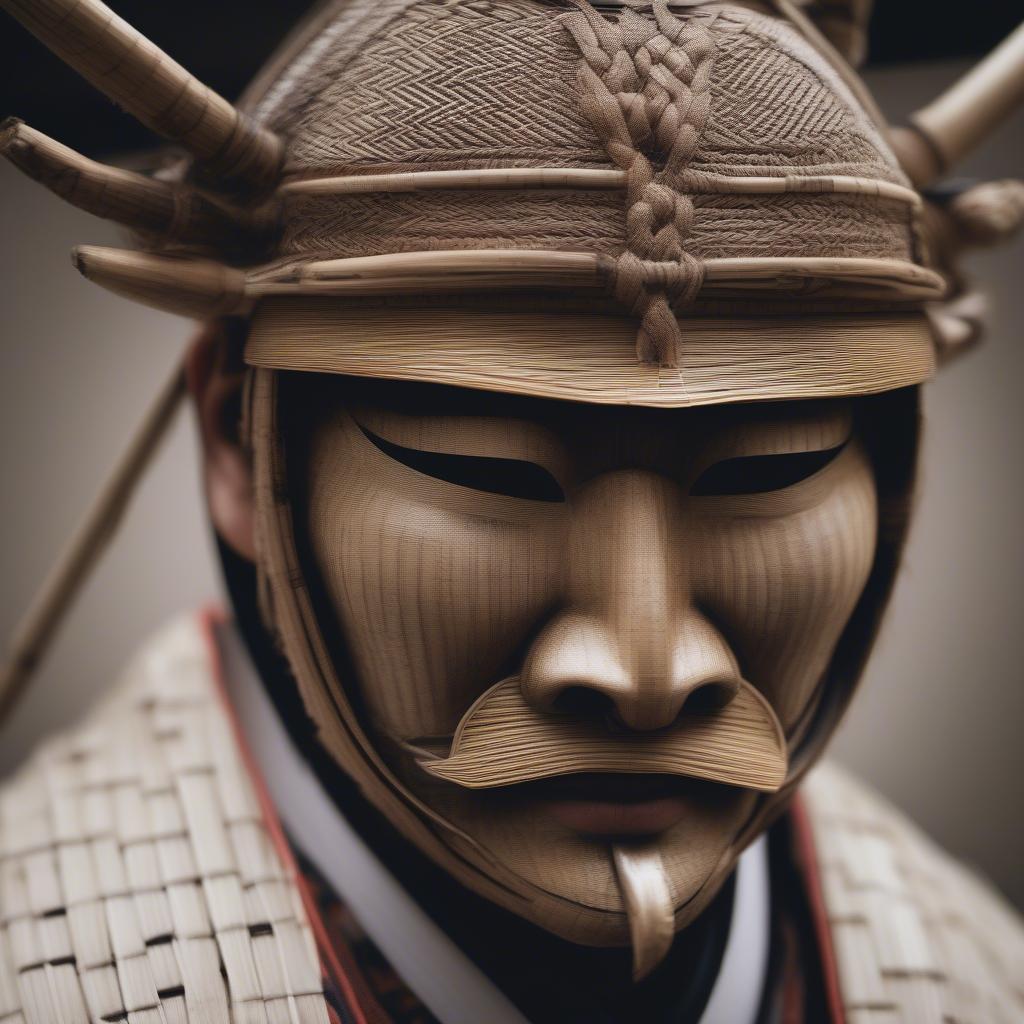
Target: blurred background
{"x":938,"y":722}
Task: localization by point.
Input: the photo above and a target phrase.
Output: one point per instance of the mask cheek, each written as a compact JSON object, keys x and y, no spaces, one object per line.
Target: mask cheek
{"x":783,"y":588}
{"x":434,"y":604}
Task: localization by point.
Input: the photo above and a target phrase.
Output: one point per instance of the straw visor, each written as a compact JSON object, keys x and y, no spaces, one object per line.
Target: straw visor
{"x":592,"y":357}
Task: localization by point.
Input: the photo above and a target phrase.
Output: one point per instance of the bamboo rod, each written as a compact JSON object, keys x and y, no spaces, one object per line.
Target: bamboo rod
{"x":190,"y":287}
{"x":839,"y":184}
{"x":428,"y":181}
{"x":175,"y":212}
{"x":501,"y":267}
{"x":587,"y":178}
{"x":589,"y":265}
{"x":957,"y":121}
{"x":202,"y":288}
{"x":473,"y":267}
{"x":906,"y":279}
{"x":141,"y":78}
{"x":47,"y":610}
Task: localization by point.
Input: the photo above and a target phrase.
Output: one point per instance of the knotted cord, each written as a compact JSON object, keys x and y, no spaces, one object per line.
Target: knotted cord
{"x":645,"y":89}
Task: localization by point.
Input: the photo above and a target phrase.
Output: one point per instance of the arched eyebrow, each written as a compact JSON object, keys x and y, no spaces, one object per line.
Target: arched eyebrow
{"x":479,"y":436}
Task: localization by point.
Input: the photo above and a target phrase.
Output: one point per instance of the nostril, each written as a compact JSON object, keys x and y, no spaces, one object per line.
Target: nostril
{"x":708,"y":697}
{"x":583,"y":701}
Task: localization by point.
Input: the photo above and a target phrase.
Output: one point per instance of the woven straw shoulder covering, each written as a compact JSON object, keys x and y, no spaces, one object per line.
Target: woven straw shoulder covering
{"x":917,"y":937}
{"x":138,"y":881}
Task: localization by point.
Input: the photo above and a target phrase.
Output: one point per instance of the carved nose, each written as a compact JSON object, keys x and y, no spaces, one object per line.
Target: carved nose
{"x":630,"y":641}
{"x":576,"y":667}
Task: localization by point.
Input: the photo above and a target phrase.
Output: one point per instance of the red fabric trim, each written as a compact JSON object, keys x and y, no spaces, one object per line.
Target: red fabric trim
{"x":792,"y":1008}
{"x":807,"y":862}
{"x":209,"y":619}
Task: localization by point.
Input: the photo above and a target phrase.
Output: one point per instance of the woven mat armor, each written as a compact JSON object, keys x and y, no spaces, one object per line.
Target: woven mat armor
{"x":918,"y":939}
{"x":138,"y":880}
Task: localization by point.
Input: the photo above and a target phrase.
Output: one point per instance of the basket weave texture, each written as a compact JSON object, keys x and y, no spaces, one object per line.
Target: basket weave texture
{"x":917,"y":937}
{"x":138,"y":880}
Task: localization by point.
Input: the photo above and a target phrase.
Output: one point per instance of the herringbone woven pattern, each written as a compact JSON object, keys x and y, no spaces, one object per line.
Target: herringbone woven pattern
{"x":367,"y":224}
{"x":138,"y":881}
{"x":411,"y":84}
{"x":776,"y":104}
{"x":451,"y":83}
{"x":918,"y":939}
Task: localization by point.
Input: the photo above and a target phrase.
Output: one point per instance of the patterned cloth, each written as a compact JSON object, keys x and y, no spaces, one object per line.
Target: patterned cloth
{"x":383,"y":994}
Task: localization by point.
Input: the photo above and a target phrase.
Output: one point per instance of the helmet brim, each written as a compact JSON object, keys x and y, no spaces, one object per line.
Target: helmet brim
{"x":591,"y":357}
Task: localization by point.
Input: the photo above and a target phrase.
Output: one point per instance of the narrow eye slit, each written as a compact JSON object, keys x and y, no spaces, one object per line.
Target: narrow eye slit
{"x":756,"y":474}
{"x":512,"y":477}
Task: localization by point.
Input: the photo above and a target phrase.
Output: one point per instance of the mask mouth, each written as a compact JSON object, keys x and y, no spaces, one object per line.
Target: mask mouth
{"x":613,"y":787}
{"x":502,"y":741}
{"x":621,"y":788}
{"x":614,"y":805}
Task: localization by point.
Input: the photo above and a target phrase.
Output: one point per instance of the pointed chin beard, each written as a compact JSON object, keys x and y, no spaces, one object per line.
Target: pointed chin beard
{"x":565,"y":843}
{"x":616,"y":821}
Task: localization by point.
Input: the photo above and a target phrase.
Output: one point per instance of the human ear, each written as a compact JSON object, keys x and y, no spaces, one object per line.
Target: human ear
{"x":215,"y":372}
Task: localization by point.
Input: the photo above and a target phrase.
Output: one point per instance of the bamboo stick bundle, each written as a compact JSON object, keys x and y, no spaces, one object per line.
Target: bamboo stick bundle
{"x":516,"y":267}
{"x":200,"y":287}
{"x":137,"y":75}
{"x":175,"y":212}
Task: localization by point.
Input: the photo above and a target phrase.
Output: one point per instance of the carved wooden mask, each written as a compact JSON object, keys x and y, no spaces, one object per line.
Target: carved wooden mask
{"x":624,"y":615}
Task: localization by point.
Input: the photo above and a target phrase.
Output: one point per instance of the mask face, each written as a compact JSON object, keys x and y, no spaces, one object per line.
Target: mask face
{"x":627,"y":572}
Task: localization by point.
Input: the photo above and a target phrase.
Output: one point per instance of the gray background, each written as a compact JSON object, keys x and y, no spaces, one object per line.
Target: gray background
{"x":937,"y":723}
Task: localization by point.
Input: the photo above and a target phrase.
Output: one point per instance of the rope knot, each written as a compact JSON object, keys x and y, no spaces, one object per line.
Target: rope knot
{"x":652,"y":289}
{"x":646,"y":85}
{"x":635,"y":278}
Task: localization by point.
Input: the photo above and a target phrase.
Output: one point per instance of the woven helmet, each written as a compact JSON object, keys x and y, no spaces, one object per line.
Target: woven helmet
{"x":667,"y":204}
{"x":701,"y":193}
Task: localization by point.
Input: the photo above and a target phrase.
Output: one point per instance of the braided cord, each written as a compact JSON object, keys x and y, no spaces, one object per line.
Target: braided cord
{"x":645,"y":88}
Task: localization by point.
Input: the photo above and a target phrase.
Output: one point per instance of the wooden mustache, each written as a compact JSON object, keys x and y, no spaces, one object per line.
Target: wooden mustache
{"x":502,"y":740}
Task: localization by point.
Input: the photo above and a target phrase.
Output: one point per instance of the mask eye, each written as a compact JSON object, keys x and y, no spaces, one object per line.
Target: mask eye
{"x":511,"y":477}
{"x":757,"y":474}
